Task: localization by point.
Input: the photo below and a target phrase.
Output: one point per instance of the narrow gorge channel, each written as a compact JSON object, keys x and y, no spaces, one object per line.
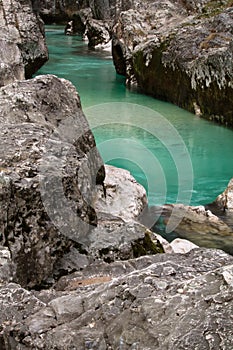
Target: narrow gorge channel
{"x":209,"y":145}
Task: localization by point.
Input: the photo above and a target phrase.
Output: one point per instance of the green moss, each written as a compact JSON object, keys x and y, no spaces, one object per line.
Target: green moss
{"x":146,"y":246}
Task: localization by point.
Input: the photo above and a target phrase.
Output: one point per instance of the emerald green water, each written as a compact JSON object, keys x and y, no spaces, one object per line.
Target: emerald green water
{"x":129,"y":144}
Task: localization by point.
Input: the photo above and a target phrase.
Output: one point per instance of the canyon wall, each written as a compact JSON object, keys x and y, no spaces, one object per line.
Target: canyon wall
{"x":23,"y":48}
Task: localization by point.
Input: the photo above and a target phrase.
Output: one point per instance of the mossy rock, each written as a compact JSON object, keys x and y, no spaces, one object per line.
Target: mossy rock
{"x":146,"y":246}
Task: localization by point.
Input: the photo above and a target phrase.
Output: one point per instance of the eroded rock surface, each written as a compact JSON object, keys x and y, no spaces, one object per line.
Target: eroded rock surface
{"x":22,"y":44}
{"x":164,"y":301}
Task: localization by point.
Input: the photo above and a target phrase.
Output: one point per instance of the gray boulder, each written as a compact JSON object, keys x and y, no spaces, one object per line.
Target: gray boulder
{"x":123,"y":195}
{"x":22,"y":45}
{"x":49,"y":170}
{"x":51,"y":179}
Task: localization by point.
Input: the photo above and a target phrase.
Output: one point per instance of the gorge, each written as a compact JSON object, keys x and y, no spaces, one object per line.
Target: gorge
{"x":78,"y":269}
{"x":93,"y":74}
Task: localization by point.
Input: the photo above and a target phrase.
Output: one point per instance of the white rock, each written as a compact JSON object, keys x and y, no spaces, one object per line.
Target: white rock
{"x":182,"y":245}
{"x":124,"y":196}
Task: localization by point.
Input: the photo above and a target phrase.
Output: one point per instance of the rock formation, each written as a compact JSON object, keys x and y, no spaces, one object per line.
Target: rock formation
{"x":180,"y":52}
{"x":23,"y":49}
{"x":31,"y":114}
{"x":77,"y":271}
{"x":166,"y":301}
{"x":199,"y":225}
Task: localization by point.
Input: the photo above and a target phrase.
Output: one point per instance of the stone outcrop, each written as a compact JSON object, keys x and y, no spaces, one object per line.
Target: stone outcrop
{"x":180,"y":52}
{"x":170,"y":301}
{"x":23,"y":49}
{"x":199,"y":225}
{"x":65,"y":225}
{"x":97,"y":33}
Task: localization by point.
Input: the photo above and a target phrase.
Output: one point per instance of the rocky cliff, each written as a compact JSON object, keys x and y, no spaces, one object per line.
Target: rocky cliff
{"x":180,"y":52}
{"x":51,"y":177}
{"x":23,"y":49}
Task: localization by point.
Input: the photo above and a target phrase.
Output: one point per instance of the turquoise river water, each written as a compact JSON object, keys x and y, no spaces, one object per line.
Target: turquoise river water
{"x":175,"y":155}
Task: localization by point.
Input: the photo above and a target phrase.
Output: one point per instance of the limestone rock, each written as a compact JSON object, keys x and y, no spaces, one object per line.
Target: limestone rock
{"x":114,"y":239}
{"x":49,"y":170}
{"x":23,"y":49}
{"x":123,"y":196}
{"x":225,"y":200}
{"x":182,"y":245}
{"x":180,"y":52}
{"x":162,"y":301}
{"x":199,"y":226}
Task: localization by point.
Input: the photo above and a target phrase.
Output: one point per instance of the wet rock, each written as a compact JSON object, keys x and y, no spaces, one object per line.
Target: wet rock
{"x":49,"y":170}
{"x":225,"y":200}
{"x":145,"y":303}
{"x":22,"y":45}
{"x":199,"y":226}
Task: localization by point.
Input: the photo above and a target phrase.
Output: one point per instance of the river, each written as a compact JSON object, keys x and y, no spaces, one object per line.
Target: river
{"x":174,"y":154}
